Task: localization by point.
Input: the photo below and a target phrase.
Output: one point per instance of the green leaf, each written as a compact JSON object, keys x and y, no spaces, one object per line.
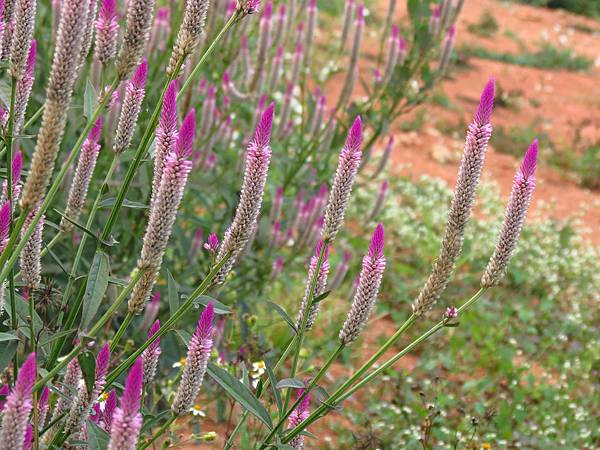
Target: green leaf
{"x":7,"y":351}
{"x":273,"y":382}
{"x":89,"y":100}
{"x":290,"y":383}
{"x":283,"y":313}
{"x":240,"y":393}
{"x":173,"y":295}
{"x":8,"y":337}
{"x":322,"y":296}
{"x":55,"y":336}
{"x":87,"y":362}
{"x":97,"y":283}
{"x":97,"y":437}
{"x":109,"y":202}
{"x":220,"y":308}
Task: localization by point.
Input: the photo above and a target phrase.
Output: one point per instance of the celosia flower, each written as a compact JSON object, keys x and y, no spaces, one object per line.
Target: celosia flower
{"x":478,"y":135}
{"x":19,"y":404}
{"x":88,"y":33}
{"x":380,"y":200}
{"x":342,"y":183}
{"x":151,"y":354}
{"x":341,"y":271}
{"x":107,"y":32}
{"x":58,"y":96}
{"x":24,"y":86}
{"x":359,"y":28}
{"x":447,"y":49}
{"x":56,"y":7}
{"x":139,"y":21}
{"x":263,"y":46}
{"x":70,"y":383}
{"x":127,"y":420}
{"x":299,"y":415}
{"x":245,"y":56}
{"x":132,"y":104}
{"x":297,"y":65}
{"x":4,"y":391}
{"x":514,"y":218}
{"x":434,"y":21}
{"x":163,"y":213}
{"x":277,"y":267}
{"x":392,"y":55}
{"x":451,"y":312}
{"x":230,"y":89}
{"x":109,"y":409}
{"x":258,"y":157}
{"x":276,"y":69}
{"x":196,"y":361}
{"x":160,"y":30}
{"x":367,"y":290}
{"x":30,"y":258}
{"x":212,"y":243}
{"x":277,"y":204}
{"x":286,"y":109}
{"x":281,"y":26}
{"x":43,"y":407}
{"x":310,"y":30}
{"x":166,"y":135}
{"x":319,"y":289}
{"x":385,"y":157}
{"x":249,"y":6}
{"x":349,"y":7}
{"x":28,"y":438}
{"x":208,"y":111}
{"x":83,"y":176}
{"x":24,"y":22}
{"x":4,"y":225}
{"x":194,"y":19}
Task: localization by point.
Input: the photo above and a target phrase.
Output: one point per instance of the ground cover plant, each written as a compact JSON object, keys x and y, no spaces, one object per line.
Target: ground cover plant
{"x":179,"y":212}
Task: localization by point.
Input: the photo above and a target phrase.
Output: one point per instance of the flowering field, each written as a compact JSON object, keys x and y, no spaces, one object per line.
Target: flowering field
{"x":205,"y":240}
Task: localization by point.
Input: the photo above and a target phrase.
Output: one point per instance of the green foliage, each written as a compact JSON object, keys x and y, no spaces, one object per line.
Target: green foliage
{"x":547,"y":57}
{"x":486,"y":26}
{"x":585,"y":7}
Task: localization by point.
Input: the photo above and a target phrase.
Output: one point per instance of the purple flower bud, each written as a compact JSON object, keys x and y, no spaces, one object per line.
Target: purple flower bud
{"x":19,"y":403}
{"x":198,"y":354}
{"x":342,"y":184}
{"x":28,"y":439}
{"x":367,"y":290}
{"x":109,"y":409}
{"x":212,"y":243}
{"x":4,"y":225}
{"x":451,"y":312}
{"x":299,"y":415}
{"x":107,"y":32}
{"x":127,"y":420}
{"x":514,"y":218}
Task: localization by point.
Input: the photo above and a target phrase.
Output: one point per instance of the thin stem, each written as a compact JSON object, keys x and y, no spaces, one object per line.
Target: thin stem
{"x":159,"y":433}
{"x":342,"y":393}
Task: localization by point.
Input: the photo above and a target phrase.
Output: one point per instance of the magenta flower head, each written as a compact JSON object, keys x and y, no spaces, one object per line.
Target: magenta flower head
{"x":163,"y":212}
{"x":345,"y":175}
{"x":514,"y":218}
{"x":107,"y":32}
{"x":198,"y":354}
{"x":43,"y":407}
{"x":132,"y":104}
{"x":109,"y":409}
{"x":258,"y":158}
{"x":102,"y":363}
{"x":367,"y":290}
{"x":83,"y":175}
{"x":166,"y":135}
{"x":127,"y":420}
{"x":4,"y":391}
{"x":319,"y":287}
{"x":19,"y":404}
{"x":4,"y":225}
{"x":212,"y":243}
{"x":151,"y":355}
{"x":28,"y":439}
{"x":299,"y":415}
{"x":478,"y":136}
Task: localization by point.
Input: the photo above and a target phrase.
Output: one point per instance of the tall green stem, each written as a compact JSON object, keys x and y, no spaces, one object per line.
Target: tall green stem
{"x":159,"y":433}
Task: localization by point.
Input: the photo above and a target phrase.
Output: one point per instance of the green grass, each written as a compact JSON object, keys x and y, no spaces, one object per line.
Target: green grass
{"x":589,"y":8}
{"x":548,"y":57}
{"x":486,"y":26}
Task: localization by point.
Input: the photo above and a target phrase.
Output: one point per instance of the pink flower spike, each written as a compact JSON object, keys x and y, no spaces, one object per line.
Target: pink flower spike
{"x":185,"y":141}
{"x":30,"y":66}
{"x":486,"y":104}
{"x":132,"y":395}
{"x":168,"y":116}
{"x":376,"y":247}
{"x":27,"y":440}
{"x":17,"y":167}
{"x":139,"y":77}
{"x":109,"y":408}
{"x":102,"y":362}
{"x":96,"y":130}
{"x":4,"y":224}
{"x":205,"y":327}
{"x":153,"y":330}
{"x":262,"y":136}
{"x":26,"y":377}
{"x":529,"y":163}
{"x":354,"y":139}
{"x":107,"y":10}
{"x":212,"y":243}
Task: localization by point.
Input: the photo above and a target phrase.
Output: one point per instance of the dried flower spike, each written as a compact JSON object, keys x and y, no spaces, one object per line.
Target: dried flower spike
{"x":194,"y":19}
{"x":24,"y":22}
{"x":320,"y":286}
{"x":514,"y":218}
{"x":139,"y":21}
